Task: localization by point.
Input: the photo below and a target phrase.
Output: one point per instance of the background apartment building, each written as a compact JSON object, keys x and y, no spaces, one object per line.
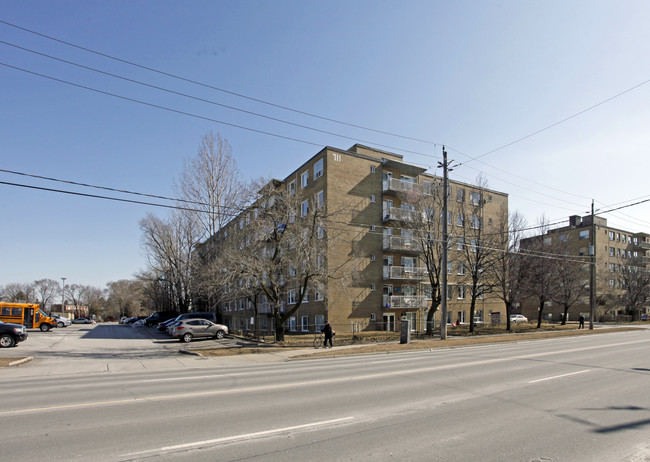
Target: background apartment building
{"x":616,"y":250}
{"x":382,"y":277}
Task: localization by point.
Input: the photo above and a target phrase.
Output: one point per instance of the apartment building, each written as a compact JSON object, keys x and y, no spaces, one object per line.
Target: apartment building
{"x":614,"y":248}
{"x":383,"y":277}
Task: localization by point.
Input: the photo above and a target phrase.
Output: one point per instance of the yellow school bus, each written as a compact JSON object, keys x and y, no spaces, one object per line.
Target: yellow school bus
{"x":27,"y":314}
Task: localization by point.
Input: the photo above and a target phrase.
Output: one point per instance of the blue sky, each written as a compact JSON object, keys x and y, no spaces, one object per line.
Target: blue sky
{"x":473,"y":75}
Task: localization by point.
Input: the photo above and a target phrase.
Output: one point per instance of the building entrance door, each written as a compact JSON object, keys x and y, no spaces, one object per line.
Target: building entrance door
{"x":389,"y":322}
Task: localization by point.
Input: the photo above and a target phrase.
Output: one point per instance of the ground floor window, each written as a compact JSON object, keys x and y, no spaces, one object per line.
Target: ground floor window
{"x":319,"y":320}
{"x":304,"y":323}
{"x":292,"y":324}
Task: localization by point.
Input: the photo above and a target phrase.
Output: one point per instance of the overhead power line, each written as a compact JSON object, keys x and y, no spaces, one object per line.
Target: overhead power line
{"x":203,"y":100}
{"x":243,"y":127}
{"x":212,"y":87}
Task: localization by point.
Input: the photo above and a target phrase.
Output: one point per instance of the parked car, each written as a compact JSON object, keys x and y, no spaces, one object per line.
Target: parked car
{"x":11,"y":334}
{"x":162,"y":326}
{"x":82,"y":321}
{"x":189,"y":329}
{"x":198,"y":315}
{"x":61,"y":321}
{"x":518,"y":318}
{"x":160,"y":316}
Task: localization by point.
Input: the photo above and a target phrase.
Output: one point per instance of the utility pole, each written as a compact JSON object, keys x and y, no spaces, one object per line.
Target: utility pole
{"x":445,"y":238}
{"x":592,"y":273}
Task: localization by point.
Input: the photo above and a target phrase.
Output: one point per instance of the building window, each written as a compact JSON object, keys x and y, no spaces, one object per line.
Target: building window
{"x":336,"y":157}
{"x":319,"y":320}
{"x":475,"y":198}
{"x":373,"y":317}
{"x":372,"y":257}
{"x":304,"y":323}
{"x":450,"y":267}
{"x":291,"y":297}
{"x":304,"y":179}
{"x":611,"y":251}
{"x":472,"y":246}
{"x":320,"y":232}
{"x":373,"y":287}
{"x":584,"y":234}
{"x":460,"y":219}
{"x":304,"y":208}
{"x":461,"y":292}
{"x":461,"y":242}
{"x":372,"y":198}
{"x":319,"y":296}
{"x":292,"y":324}
{"x":318,"y":169}
{"x":611,"y":235}
{"x":460,"y":195}
{"x":291,"y":187}
{"x":372,"y":169}
{"x":461,"y":268}
{"x":475,"y":222}
{"x":373,"y":228}
{"x":319,"y":198}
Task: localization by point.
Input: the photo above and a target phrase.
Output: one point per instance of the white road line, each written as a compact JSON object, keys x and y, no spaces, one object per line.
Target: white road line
{"x":560,"y":376}
{"x":245,"y":436}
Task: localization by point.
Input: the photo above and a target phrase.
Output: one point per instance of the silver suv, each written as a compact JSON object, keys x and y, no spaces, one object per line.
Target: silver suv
{"x":189,"y":329}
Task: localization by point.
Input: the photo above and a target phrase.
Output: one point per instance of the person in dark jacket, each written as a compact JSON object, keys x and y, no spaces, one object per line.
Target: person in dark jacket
{"x":581,"y":322}
{"x":328,"y":333}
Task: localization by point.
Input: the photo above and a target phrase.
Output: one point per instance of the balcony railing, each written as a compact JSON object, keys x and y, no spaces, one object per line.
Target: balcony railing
{"x":396,"y":213}
{"x":398,"y":243}
{"x":397,"y":185}
{"x":405,"y":301}
{"x":404,"y":272}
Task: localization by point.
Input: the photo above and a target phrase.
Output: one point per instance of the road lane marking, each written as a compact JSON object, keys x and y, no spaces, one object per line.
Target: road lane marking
{"x":320,"y":381}
{"x":242,"y":437}
{"x":559,"y":376}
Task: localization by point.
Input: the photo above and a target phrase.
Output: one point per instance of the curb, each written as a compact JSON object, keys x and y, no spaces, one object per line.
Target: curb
{"x":189,"y":352}
{"x":21,"y":361}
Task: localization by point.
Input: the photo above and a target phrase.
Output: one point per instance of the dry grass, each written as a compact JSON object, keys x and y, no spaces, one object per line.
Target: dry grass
{"x":370,"y":342}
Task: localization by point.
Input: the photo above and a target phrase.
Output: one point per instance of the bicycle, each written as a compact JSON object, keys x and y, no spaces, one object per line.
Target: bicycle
{"x":319,"y":338}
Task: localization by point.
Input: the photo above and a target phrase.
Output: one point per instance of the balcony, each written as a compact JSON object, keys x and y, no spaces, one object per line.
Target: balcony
{"x":394,"y":185}
{"x":401,"y":244}
{"x":405,"y":301}
{"x":396,"y":213}
{"x":405,"y":272}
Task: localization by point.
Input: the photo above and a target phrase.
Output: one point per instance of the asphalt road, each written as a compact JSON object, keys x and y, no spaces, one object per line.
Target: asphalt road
{"x":566,"y":399}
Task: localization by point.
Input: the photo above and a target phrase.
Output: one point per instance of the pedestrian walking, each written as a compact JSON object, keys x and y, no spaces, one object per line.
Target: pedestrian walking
{"x":328,"y":332}
{"x":581,"y":322}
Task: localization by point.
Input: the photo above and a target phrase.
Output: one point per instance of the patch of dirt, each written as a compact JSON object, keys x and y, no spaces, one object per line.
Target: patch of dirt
{"x":4,"y":362}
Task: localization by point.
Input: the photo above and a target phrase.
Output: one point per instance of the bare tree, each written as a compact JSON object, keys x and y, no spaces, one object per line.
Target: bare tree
{"x":572,"y":278}
{"x":479,"y":249}
{"x":540,"y":280}
{"x":210,"y":184}
{"x":634,"y":280}
{"x":276,"y":250}
{"x":423,"y":231}
{"x":45,"y":289}
{"x":18,"y":293}
{"x":124,"y":298}
{"x":506,"y":270}
{"x":169,"y":246}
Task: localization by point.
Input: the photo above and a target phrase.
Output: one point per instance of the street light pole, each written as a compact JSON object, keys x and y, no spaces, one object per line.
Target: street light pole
{"x":63,"y":296}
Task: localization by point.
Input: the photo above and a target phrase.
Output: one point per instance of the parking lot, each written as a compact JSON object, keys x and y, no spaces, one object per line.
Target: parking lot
{"x":62,"y":348}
